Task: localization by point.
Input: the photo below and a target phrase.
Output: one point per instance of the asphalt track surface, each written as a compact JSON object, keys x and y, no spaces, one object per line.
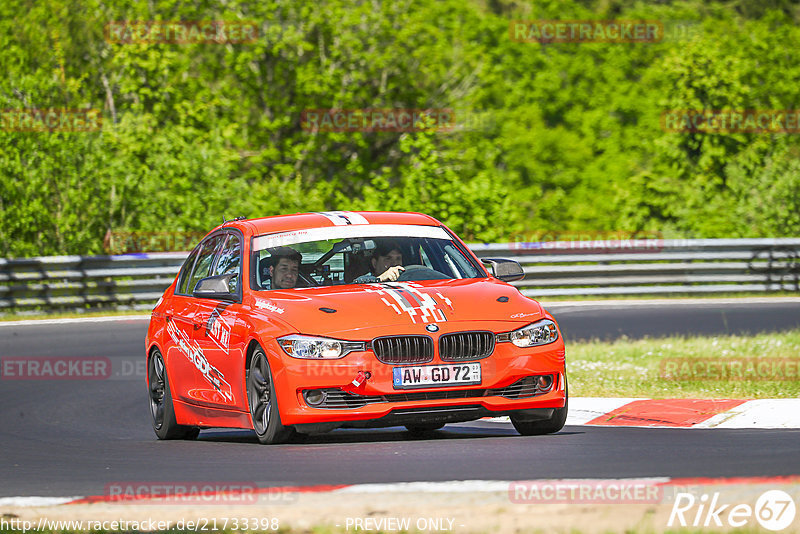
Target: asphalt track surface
{"x":73,"y":437}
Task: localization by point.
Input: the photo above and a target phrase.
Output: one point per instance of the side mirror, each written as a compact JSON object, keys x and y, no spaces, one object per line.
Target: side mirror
{"x":215,"y":287}
{"x":505,"y":270}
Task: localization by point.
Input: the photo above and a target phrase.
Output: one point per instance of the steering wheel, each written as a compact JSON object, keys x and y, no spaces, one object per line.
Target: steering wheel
{"x":306,"y":280}
{"x":420,"y":272}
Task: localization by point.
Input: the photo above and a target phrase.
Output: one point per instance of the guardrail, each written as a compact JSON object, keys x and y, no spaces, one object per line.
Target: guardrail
{"x":127,"y":281}
{"x":569,"y":268}
{"x":653,"y":266}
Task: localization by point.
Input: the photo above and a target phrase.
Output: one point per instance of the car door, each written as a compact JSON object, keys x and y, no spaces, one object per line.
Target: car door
{"x":186,"y":363}
{"x":179,"y":309}
{"x":216,"y":333}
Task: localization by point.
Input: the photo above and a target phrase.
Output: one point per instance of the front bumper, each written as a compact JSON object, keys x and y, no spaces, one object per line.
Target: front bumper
{"x":424,"y":416}
{"x":389,"y":406}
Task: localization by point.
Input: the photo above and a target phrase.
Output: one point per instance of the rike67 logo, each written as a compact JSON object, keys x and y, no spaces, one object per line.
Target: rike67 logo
{"x":774,"y":510}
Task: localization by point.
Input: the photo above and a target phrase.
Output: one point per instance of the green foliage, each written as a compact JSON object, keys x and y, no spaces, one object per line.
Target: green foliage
{"x":568,"y":135}
{"x":474,"y":205}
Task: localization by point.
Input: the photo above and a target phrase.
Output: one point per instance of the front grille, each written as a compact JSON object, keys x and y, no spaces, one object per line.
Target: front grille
{"x":435,"y":395}
{"x":403,"y":349}
{"x":461,"y":346}
{"x":522,"y":388}
{"x":338,"y":399}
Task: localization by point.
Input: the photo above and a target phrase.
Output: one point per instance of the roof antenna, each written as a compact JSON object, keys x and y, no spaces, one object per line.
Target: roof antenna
{"x":223,"y":220}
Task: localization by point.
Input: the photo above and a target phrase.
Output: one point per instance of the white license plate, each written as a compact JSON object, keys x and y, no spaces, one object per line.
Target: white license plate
{"x":423,"y":376}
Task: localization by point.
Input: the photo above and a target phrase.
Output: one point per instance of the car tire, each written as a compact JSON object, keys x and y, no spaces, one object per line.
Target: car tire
{"x":263,"y":403}
{"x":162,"y":411}
{"x":423,"y":428}
{"x":547,"y":426}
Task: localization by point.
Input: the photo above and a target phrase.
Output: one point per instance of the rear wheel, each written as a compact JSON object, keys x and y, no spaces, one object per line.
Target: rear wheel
{"x":263,"y":403}
{"x":162,"y":411}
{"x":546,"y":426}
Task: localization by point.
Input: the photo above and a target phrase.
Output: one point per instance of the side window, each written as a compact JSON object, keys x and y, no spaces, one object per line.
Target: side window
{"x":202,"y":267}
{"x":262,"y":269}
{"x":186,"y":271}
{"x":229,"y":260}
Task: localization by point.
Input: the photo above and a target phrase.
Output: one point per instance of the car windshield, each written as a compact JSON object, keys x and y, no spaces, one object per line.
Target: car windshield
{"x":357,"y":254}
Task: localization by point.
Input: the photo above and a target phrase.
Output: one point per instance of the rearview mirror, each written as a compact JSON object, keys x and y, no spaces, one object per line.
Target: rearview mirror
{"x":505,"y":270}
{"x":215,"y":287}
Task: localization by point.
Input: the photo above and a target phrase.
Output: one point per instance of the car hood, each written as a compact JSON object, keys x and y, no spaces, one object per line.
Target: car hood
{"x":365,"y":310}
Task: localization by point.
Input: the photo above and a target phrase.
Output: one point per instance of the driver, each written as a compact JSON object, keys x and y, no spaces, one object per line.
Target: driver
{"x":387,"y":260}
{"x":285,"y":268}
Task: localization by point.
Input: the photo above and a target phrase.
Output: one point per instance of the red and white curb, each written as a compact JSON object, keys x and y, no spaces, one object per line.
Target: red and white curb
{"x":456,"y":486}
{"x":682,"y":413}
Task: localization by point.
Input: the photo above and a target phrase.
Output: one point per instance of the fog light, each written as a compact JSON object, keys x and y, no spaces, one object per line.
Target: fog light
{"x":314,"y":397}
{"x":545,"y":382}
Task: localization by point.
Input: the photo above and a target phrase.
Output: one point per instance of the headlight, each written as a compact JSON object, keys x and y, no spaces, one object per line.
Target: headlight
{"x":539,"y":333}
{"x":318,"y":348}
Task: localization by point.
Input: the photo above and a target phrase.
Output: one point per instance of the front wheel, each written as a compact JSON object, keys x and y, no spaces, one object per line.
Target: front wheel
{"x":162,"y":411}
{"x":547,"y":426}
{"x":263,"y":403}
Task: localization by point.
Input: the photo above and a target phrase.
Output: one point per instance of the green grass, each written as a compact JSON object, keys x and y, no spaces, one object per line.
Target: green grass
{"x":658,"y":368}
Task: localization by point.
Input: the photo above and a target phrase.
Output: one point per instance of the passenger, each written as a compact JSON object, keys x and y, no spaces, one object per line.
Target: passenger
{"x":387,"y":260}
{"x":284,"y":268}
